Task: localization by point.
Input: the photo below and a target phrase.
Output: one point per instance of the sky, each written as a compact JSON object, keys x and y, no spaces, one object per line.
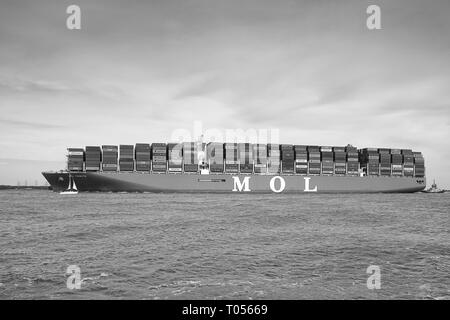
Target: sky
{"x":138,"y":71}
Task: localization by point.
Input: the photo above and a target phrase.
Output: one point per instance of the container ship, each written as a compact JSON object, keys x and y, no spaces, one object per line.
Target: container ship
{"x":199,"y":167}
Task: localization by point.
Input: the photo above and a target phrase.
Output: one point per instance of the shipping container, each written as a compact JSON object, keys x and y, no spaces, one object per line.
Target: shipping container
{"x":301,"y":155}
{"x":301,"y":168}
{"x":245,"y":154}
{"x":327,"y":156}
{"x":142,"y":152}
{"x":75,"y":153}
{"x":315,"y":149}
{"x":159,"y":152}
{"x":216,"y":167}
{"x":126,"y":152}
{"x":385,"y":158}
{"x":407,"y":152}
{"x":419,"y":160}
{"x":75,"y":168}
{"x":126,"y":165}
{"x":340,"y":157}
{"x":384,"y":151}
{"x":159,"y":145}
{"x":273,"y":168}
{"x":340,"y":168}
{"x":260,"y":168}
{"x":408,"y":159}
{"x":109,"y":166}
{"x":215,"y":153}
{"x":190,"y":167}
{"x":158,"y":158}
{"x":159,"y":167}
{"x":246,"y":168}
{"x":352,"y":167}
{"x":175,"y":152}
{"x":301,"y":160}
{"x":260,"y":151}
{"x":315,"y":164}
{"x":110,"y":148}
{"x":190,"y":157}
{"x":261,"y":161}
{"x":231,"y":146}
{"x":287,"y":166}
{"x":273,"y":147}
{"x":300,"y":148}
{"x":339,"y":149}
{"x":396,"y":158}
{"x":231,"y":167}
{"x":142,"y":165}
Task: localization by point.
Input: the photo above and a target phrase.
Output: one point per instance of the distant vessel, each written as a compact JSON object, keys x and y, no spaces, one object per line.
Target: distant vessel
{"x":434,"y":189}
{"x":199,"y":167}
{"x":71,"y":188}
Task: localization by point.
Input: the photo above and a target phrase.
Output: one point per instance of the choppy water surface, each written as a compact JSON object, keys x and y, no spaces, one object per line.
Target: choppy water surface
{"x":235,"y":246}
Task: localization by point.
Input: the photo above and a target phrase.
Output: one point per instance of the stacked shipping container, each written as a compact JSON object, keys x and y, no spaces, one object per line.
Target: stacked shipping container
{"x":419,"y":165}
{"x":215,"y":157}
{"x":93,"y":158}
{"x":190,"y":157}
{"x":370,"y":160}
{"x":245,"y":157}
{"x":142,"y":157}
{"x":327,"y":158}
{"x":287,"y":158}
{"x":175,"y":155}
{"x":260,"y":156}
{"x":248,"y":158}
{"x":408,"y":163}
{"x":314,"y":162}
{"x":352,"y":160}
{"x":385,"y":161}
{"x":159,"y":157}
{"x":340,"y":158}
{"x":301,"y":159}
{"x":75,"y":159}
{"x":231,"y":158}
{"x":273,"y":161}
{"x":109,"y":158}
{"x":396,"y":162}
{"x":126,"y":157}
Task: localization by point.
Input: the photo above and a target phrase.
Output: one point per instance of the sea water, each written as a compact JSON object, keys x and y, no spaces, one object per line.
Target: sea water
{"x":224,"y":246}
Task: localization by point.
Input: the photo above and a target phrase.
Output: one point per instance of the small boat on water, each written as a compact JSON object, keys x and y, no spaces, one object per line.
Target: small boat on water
{"x":71,"y":188}
{"x":434,"y":189}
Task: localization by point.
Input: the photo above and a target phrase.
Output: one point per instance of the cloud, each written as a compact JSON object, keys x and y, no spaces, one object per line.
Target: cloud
{"x":139,"y":71}
{"x":17,"y":124}
{"x":33,"y":86}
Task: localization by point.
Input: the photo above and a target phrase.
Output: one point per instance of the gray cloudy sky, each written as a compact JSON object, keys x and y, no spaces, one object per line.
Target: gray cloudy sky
{"x":138,"y":70}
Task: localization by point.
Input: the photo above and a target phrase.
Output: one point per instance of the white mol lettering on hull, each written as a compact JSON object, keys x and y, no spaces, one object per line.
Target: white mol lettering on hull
{"x":307,"y":189}
{"x":282,"y":184}
{"x":238,"y":185}
{"x":277,"y":184}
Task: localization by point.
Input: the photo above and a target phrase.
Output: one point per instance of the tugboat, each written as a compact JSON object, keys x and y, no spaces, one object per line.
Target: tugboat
{"x":434,"y":189}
